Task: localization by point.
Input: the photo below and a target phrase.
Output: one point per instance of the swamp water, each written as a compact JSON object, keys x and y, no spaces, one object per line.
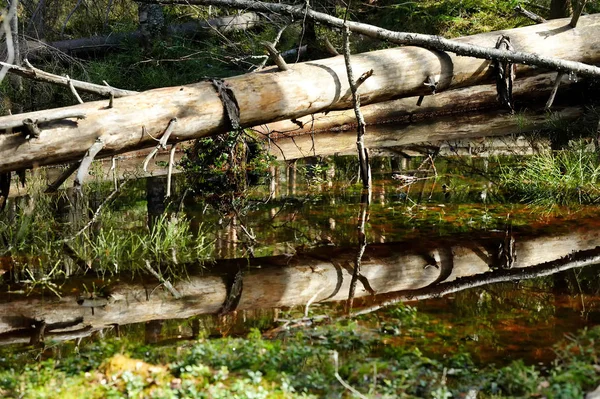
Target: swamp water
{"x":497,"y":281}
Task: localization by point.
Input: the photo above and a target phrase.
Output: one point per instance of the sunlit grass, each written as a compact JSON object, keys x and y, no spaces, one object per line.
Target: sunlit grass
{"x":555,"y":178}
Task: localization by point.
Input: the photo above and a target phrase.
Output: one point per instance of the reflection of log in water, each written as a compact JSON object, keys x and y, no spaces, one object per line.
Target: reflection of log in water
{"x":285,"y":281}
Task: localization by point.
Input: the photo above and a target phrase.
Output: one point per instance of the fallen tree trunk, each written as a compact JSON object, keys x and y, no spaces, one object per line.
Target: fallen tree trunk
{"x":78,"y":47}
{"x":452,"y":127}
{"x":305,"y":89}
{"x":323,"y":275}
{"x":406,"y":110}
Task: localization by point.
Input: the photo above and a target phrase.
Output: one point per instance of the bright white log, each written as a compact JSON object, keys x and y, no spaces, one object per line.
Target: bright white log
{"x":305,"y":89}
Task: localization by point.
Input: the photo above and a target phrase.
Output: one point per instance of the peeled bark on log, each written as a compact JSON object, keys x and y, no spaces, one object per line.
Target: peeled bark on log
{"x":267,"y":96}
{"x":283,"y":281}
{"x":453,"y":127}
{"x":406,"y":110}
{"x":78,"y":47}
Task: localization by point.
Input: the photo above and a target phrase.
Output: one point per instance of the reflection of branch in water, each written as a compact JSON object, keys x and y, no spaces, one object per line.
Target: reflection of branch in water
{"x":581,"y":259}
{"x":363,"y":217}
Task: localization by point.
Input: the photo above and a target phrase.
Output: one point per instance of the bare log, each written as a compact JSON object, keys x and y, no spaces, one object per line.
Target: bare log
{"x":15,"y":121}
{"x":307,"y":88}
{"x":83,"y":46}
{"x":406,"y":110}
{"x":402,"y":38}
{"x":454,"y":127}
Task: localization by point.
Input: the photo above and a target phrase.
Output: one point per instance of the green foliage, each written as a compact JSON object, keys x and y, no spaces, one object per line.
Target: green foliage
{"x":448,"y":18}
{"x":226,"y":165}
{"x":555,"y":178}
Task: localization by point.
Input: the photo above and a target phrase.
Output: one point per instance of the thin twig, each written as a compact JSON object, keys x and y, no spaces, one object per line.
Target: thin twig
{"x":73,"y":90}
{"x":97,"y":213}
{"x":163,"y":281}
{"x":559,"y":77}
{"x":162,"y":143}
{"x":53,"y":187}
{"x":335,"y":356}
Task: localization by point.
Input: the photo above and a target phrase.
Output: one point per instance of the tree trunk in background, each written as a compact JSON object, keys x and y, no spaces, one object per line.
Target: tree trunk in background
{"x":16,"y":81}
{"x":152,"y":22}
{"x":560,"y":9}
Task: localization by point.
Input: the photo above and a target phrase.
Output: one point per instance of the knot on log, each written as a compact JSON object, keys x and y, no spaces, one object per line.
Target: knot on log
{"x":31,"y":129}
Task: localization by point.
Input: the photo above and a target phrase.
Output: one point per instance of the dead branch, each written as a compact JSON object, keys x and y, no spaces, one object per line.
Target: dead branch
{"x":53,"y":187}
{"x":97,"y":213}
{"x":335,"y":356}
{"x":401,"y":38}
{"x":559,"y":77}
{"x":577,"y":13}
{"x":86,"y":162}
{"x":275,"y":56}
{"x":74,"y":90}
{"x":170,"y":169}
{"x":532,"y":16}
{"x":30,"y":72}
{"x":363,"y":157}
{"x":163,"y":281}
{"x":162,"y":143}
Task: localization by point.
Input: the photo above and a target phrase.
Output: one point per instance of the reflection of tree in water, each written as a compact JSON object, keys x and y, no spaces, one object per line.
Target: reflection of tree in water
{"x":221,"y":169}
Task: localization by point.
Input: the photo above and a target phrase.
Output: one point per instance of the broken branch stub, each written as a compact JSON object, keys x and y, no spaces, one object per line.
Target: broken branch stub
{"x":162,"y":143}
{"x":86,"y":162}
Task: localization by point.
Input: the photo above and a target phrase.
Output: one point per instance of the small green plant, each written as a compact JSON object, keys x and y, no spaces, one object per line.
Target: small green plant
{"x":563,"y":177}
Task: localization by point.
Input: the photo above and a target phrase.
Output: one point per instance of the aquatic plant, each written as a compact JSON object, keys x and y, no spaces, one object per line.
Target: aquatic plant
{"x":562,"y":177}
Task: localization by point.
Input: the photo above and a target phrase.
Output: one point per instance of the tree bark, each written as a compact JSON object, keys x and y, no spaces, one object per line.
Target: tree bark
{"x":451,"y":127}
{"x":305,"y":89}
{"x":560,"y":9}
{"x":528,"y":90}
